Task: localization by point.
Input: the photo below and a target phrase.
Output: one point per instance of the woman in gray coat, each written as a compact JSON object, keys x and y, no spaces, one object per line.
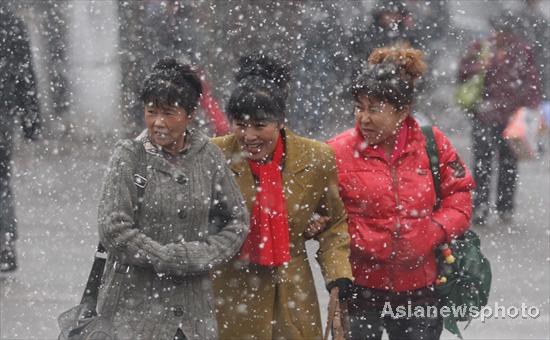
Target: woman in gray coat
{"x":190,"y":217}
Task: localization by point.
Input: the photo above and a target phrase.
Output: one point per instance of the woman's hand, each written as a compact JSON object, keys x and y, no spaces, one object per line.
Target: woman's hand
{"x":317,"y":224}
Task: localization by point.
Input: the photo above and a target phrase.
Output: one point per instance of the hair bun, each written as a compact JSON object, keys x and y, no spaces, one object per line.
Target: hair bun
{"x":171,"y":64}
{"x":410,"y":60}
{"x":261,"y":65}
{"x":171,"y":81}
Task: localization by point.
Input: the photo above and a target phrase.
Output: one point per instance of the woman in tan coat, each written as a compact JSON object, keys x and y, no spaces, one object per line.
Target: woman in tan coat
{"x":288,"y":181}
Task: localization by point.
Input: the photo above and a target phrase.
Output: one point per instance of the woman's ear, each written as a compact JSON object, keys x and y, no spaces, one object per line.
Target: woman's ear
{"x":405,"y":111}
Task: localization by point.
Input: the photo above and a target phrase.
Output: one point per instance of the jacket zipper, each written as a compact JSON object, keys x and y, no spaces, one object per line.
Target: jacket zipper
{"x":395,"y":235}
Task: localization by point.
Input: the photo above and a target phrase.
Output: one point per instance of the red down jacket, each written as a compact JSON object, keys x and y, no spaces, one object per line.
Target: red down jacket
{"x":392,"y":224}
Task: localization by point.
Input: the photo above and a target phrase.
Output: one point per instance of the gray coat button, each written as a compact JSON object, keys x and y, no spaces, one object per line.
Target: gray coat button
{"x":178,"y":279}
{"x":182,"y":213}
{"x":178,"y":311}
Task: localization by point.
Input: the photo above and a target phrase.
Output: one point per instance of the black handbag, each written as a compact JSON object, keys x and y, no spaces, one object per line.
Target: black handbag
{"x":82,"y":322}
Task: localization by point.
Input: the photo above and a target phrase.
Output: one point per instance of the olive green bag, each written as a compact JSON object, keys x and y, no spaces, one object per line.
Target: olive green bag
{"x":469,"y":94}
{"x":468,"y":278}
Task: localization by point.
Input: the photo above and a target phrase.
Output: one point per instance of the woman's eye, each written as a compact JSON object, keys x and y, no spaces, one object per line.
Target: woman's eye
{"x":375,"y":109}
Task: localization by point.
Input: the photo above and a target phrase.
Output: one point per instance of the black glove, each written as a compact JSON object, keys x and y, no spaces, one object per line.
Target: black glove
{"x":345,"y":288}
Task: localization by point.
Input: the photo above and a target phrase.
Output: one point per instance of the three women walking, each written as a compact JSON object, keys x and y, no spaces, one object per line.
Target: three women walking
{"x":372,"y":181}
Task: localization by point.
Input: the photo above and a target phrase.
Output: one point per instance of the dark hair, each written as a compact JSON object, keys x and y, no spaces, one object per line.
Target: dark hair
{"x":172,"y":83}
{"x":261,"y":91}
{"x":390,"y":76}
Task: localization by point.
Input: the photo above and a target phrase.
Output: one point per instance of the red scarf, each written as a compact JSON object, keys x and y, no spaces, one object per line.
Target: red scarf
{"x":267,"y":243}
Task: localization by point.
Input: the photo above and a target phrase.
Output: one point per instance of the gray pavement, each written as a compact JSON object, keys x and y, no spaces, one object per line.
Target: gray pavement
{"x":57,"y":189}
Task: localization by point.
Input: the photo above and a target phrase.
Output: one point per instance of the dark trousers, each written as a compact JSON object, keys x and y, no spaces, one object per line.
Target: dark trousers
{"x":367,"y":321}
{"x":489,"y":144}
{"x":7,"y":209}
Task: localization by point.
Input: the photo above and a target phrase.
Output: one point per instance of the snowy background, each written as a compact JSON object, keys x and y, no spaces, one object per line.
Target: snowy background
{"x":84,"y":50}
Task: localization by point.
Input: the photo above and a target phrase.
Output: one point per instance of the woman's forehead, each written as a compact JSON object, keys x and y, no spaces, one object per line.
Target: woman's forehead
{"x":252,"y":121}
{"x":366,"y":99}
{"x":162,"y":104}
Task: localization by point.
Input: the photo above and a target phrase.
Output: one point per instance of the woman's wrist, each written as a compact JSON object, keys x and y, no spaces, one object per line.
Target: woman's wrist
{"x":442,"y":234}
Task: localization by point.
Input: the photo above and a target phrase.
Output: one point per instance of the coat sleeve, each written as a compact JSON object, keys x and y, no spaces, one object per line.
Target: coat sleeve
{"x":455,"y":185}
{"x":119,"y":236}
{"x":334,"y":241}
{"x":116,"y":225}
{"x":530,"y":95}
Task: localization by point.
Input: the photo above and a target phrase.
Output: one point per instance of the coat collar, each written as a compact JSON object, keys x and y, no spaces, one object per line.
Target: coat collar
{"x":413,"y":144}
{"x":194,"y":142}
{"x":294,"y":160}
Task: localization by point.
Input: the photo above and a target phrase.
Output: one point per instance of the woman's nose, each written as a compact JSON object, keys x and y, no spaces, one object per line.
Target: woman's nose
{"x":363,"y":116}
{"x":159,"y":121}
{"x":249,"y":134}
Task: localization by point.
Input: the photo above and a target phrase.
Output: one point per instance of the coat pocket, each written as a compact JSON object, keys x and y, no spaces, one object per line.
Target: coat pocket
{"x":373,"y":242}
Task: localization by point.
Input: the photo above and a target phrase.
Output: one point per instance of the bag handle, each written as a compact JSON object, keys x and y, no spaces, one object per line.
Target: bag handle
{"x":433,"y":156}
{"x":96,"y":273}
{"x":337,"y":318}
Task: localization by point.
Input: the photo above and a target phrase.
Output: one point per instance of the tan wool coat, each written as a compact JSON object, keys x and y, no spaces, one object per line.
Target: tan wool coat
{"x":257,"y":302}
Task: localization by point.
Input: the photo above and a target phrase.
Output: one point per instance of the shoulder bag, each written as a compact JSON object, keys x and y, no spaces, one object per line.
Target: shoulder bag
{"x":82,"y":322}
{"x":463,"y":284}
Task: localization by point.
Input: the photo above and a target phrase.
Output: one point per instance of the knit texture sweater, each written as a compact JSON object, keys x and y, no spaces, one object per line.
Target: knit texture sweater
{"x":192,"y":218}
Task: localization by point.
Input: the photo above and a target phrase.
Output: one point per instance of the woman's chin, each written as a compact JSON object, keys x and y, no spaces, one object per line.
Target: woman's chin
{"x":256,"y":157}
{"x":253,"y":157}
{"x":163,"y":142}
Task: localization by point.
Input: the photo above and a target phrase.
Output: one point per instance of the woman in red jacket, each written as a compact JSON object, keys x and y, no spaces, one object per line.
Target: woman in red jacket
{"x":388,"y":191}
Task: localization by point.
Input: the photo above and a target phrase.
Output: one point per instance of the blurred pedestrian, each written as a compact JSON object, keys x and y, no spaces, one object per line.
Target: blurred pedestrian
{"x":392,"y":24}
{"x":534,"y":28}
{"x":19,"y":104}
{"x":405,"y":23}
{"x":290,"y":186}
{"x":389,"y":194}
{"x":511,"y":81}
{"x":191,"y":217}
{"x":55,"y":31}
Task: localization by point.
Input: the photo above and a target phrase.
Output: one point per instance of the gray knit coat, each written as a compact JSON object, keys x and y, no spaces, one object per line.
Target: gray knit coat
{"x":191,"y":219}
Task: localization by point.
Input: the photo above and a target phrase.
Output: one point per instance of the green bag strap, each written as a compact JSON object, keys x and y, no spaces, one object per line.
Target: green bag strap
{"x":449,"y":322}
{"x":433,"y":156}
